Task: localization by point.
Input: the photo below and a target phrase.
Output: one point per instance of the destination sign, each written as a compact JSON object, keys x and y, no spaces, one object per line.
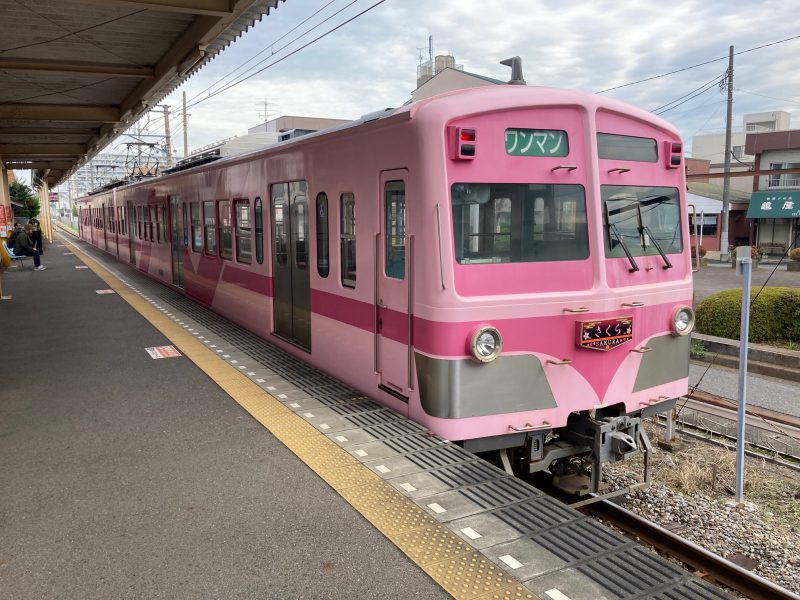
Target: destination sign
{"x":536,"y":142}
{"x":604,"y":334}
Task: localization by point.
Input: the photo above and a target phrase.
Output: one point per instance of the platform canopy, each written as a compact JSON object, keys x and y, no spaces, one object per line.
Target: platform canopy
{"x":75,"y":73}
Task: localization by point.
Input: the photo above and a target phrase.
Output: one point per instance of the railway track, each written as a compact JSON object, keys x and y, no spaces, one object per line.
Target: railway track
{"x":772,"y":436}
{"x":706,"y":564}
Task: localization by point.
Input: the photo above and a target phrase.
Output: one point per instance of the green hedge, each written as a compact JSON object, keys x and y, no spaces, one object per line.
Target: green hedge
{"x":775,"y":315}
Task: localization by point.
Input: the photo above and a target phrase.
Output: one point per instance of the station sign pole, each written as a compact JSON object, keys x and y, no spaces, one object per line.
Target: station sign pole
{"x":744,"y":266}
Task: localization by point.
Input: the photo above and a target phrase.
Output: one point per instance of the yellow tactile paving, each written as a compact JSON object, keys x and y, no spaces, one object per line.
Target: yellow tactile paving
{"x":446,"y":558}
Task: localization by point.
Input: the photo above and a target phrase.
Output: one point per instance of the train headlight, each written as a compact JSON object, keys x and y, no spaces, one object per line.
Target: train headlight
{"x":486,"y":344}
{"x":683,"y":321}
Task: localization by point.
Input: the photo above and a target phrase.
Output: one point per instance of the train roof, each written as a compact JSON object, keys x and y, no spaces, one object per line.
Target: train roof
{"x":439,"y":108}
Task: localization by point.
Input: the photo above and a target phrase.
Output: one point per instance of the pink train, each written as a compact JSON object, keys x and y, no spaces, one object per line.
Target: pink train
{"x":508,"y":266}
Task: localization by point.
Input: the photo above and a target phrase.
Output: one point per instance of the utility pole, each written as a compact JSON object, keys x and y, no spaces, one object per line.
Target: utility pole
{"x":726,"y":187}
{"x":185,"y":129}
{"x":168,"y":138}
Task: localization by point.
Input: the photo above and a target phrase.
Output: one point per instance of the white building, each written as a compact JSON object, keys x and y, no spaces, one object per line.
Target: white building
{"x":711,"y":146}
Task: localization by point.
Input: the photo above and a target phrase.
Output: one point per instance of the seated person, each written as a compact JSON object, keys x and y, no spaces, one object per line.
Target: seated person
{"x":23,"y":246}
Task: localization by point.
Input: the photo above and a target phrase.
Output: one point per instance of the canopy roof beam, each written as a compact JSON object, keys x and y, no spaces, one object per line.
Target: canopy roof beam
{"x":215,"y":8}
{"x":59,"y":112}
{"x":80,"y":68}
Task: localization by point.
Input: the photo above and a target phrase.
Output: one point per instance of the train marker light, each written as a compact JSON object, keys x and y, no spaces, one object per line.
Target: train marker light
{"x":682,"y":321}
{"x":486,"y":344}
{"x":673,"y":151}
{"x":463,"y":141}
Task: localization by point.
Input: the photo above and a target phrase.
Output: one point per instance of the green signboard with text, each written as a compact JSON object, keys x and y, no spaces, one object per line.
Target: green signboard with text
{"x":779,"y":204}
{"x":536,"y":142}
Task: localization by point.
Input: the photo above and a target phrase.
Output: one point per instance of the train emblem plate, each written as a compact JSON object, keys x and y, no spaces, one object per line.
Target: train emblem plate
{"x":604,"y":334}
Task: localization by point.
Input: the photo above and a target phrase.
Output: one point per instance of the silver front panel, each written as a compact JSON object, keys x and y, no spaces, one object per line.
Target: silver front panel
{"x":462,"y":388}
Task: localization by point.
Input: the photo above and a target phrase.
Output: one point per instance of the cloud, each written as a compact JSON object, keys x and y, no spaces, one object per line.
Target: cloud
{"x":589,"y":45}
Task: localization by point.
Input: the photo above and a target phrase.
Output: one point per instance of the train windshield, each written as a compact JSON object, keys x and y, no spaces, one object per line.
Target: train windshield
{"x":519,"y":222}
{"x":641,"y":221}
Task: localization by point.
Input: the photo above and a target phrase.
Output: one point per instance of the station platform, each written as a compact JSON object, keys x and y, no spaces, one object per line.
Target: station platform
{"x":152,"y":449}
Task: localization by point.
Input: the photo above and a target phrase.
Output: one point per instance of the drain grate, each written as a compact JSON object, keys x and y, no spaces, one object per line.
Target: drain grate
{"x":536,"y":515}
{"x":579,"y":540}
{"x":630,"y":572}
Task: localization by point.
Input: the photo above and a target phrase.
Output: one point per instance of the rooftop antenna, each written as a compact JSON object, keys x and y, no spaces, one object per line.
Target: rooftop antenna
{"x":515,"y":63}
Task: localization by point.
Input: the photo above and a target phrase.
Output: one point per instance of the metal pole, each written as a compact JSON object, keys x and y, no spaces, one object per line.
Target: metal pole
{"x":185,"y":129}
{"x":744,"y":266}
{"x":726,"y":187}
{"x":702,"y":222}
{"x":168,"y":140}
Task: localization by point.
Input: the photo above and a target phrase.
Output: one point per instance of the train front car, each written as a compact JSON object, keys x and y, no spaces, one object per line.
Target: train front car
{"x":553,"y":308}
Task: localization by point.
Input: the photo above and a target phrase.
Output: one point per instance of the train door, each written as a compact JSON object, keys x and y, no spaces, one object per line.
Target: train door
{"x":291,"y":279}
{"x":104,"y":223}
{"x":131,"y":228}
{"x":178,"y":238}
{"x":115,"y":216}
{"x":392,"y":305}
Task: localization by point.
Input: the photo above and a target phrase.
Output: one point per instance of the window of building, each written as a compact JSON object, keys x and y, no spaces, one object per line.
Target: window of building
{"x":259,"y":218}
{"x":348,"y":239}
{"x":244,"y":251}
{"x":197,"y":228}
{"x":210,"y":228}
{"x":225,"y":230}
{"x":323,"y":254}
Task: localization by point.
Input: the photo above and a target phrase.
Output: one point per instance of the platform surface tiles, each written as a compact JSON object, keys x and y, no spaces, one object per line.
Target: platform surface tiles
{"x":230,"y":469}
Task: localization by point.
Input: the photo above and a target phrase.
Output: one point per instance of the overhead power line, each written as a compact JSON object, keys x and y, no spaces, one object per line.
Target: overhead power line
{"x":708,"y":62}
{"x":292,"y":53}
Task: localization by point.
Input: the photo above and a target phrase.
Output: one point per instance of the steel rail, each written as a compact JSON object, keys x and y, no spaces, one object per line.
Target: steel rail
{"x":713,"y":566}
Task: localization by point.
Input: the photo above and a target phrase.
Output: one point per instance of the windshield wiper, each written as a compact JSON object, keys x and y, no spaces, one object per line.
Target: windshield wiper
{"x":613,"y":229}
{"x":645,"y":229}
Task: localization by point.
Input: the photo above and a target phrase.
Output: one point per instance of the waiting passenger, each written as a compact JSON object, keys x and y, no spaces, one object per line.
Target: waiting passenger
{"x":23,"y":246}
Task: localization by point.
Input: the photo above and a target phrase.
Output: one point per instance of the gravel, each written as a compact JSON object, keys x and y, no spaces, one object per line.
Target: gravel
{"x":719,"y":526}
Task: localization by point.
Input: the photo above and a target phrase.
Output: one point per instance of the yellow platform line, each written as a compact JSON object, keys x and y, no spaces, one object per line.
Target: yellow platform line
{"x":452,"y":563}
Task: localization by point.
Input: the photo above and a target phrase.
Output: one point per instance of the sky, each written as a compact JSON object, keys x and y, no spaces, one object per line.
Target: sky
{"x":591,"y":45}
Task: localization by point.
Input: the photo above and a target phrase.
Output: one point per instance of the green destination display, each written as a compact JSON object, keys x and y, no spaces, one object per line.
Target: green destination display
{"x":536,"y":142}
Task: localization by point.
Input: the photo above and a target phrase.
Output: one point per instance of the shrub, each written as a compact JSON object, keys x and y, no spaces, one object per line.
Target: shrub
{"x":794,"y":254}
{"x":698,"y":250}
{"x":775,"y":315}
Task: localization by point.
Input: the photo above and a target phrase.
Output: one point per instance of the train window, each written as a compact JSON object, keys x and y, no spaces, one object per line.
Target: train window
{"x":151,"y":215}
{"x":394,"y":198}
{"x":280,"y":205}
{"x":210,"y":228}
{"x":197,"y":228}
{"x":641,"y":220}
{"x":184,"y":222}
{"x":300,"y":233}
{"x":348,"y":239}
{"x":159,"y":223}
{"x":626,"y":147}
{"x":139,"y":222}
{"x":244,"y":251}
{"x":225,"y":229}
{"x":519,"y":222}
{"x":259,"y":218}
{"x":323,"y":250}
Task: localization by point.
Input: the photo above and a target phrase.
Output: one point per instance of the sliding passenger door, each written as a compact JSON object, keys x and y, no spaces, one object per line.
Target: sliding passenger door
{"x":392,"y":299}
{"x":291,"y":279}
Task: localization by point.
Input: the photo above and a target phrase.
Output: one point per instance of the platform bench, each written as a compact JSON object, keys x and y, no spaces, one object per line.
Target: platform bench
{"x":15,"y":257}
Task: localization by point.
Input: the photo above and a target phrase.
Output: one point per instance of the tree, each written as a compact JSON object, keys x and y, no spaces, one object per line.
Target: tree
{"x":23,"y":195}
